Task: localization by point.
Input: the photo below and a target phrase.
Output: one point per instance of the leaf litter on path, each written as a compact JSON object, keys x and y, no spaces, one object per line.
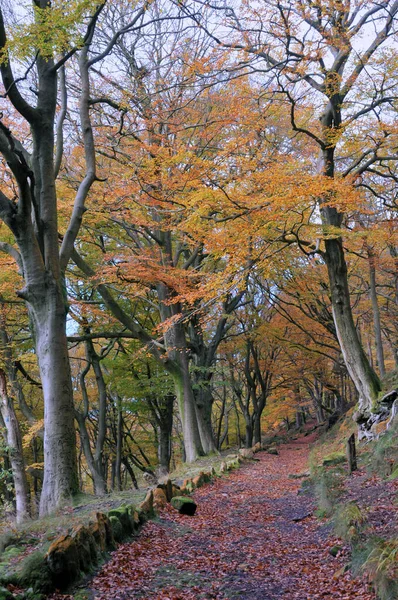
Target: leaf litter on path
{"x":252,"y":538}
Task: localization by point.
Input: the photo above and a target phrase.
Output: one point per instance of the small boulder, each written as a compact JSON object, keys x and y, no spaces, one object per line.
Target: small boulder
{"x":199,"y":480}
{"x":122,"y":513}
{"x":273,"y":450}
{"x":146,"y":507}
{"x":159,"y":498}
{"x":166,"y":485}
{"x":63,"y":560}
{"x":223,"y":467}
{"x":106,"y":530}
{"x":117,"y":528}
{"x":175,"y":490}
{"x":257,"y":447}
{"x":85,"y":546}
{"x":187,"y":487}
{"x":184,"y":505}
{"x":334,"y":550}
{"x":246,"y":453}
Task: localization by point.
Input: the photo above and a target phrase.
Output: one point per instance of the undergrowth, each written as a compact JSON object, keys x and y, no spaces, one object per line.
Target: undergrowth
{"x":373,"y":556}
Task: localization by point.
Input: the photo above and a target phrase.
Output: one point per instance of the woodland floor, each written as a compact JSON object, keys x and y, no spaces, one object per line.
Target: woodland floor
{"x":253,"y":538}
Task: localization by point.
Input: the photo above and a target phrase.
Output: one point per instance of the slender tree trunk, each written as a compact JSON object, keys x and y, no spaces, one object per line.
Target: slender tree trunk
{"x":14,"y":442}
{"x":119,"y":445}
{"x":98,"y":477}
{"x":376,"y":315}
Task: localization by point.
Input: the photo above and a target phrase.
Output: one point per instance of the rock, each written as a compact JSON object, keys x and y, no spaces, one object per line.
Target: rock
{"x":246,"y":453}
{"x":117,"y":528}
{"x":231,"y":456}
{"x":301,"y":517}
{"x":166,"y":485}
{"x":122,"y":513}
{"x":233,"y":464}
{"x":199,"y":480}
{"x":146,"y":507}
{"x":63,"y":560}
{"x":184,"y":505}
{"x":187,"y":486}
{"x":334,"y":550}
{"x":159,"y":498}
{"x":223,"y":467}
{"x":86,"y":550}
{"x":299,"y":475}
{"x":106,"y":530}
{"x":175,"y":490}
{"x":257,"y":447}
{"x":273,"y":450}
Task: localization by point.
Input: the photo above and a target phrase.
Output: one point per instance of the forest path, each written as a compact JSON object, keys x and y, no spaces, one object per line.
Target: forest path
{"x":252,"y":538}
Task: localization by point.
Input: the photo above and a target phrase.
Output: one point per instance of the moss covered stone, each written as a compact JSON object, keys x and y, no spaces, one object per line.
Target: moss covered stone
{"x":184,"y":505}
{"x":117,"y":528}
{"x":86,"y":547}
{"x":122,"y":513}
{"x":63,"y":560}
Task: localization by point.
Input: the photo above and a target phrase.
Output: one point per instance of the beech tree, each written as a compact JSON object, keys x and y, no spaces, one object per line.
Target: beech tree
{"x":32,"y":214}
{"x":317,"y":49}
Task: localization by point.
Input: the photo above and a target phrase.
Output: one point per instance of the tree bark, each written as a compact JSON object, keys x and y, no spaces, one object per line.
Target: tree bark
{"x":376,"y":314}
{"x":14,"y":442}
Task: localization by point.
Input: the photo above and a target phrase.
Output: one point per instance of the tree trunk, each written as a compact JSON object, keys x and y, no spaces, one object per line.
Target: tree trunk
{"x":14,"y":443}
{"x":248,"y":431}
{"x":257,"y":428}
{"x":119,"y":445}
{"x":60,"y":473}
{"x":204,"y":407}
{"x":98,"y":477}
{"x":362,"y":374}
{"x":376,"y":315}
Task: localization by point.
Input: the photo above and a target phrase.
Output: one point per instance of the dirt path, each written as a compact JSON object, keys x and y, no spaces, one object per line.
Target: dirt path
{"x":252,"y":538}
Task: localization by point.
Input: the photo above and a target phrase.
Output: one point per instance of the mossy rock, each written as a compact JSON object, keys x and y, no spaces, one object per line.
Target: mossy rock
{"x":106,"y":529}
{"x":117,"y":528}
{"x":134,"y":517}
{"x":184,"y":505}
{"x":63,"y":560}
{"x":86,"y":547}
{"x":122,"y":513}
{"x":34,"y":572}
{"x":335,"y":458}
